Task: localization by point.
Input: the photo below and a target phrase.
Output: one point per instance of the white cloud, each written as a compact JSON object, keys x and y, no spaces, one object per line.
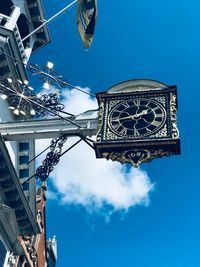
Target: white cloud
{"x":77,"y":102}
{"x":85,"y":180}
{"x":82,"y":179}
{"x":51,"y":195}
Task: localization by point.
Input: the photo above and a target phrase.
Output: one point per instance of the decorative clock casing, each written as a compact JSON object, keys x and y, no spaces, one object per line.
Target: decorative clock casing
{"x":137,"y":122}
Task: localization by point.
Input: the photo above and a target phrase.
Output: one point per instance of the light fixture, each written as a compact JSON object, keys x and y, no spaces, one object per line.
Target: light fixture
{"x":25,"y":82}
{"x":22,"y":112}
{"x":48,"y":74}
{"x":32,"y":112}
{"x":23,"y":101}
{"x":31,"y":88}
{"x":46,"y":85}
{"x":50,"y":65}
{"x":38,"y":95}
{"x":16,"y":111}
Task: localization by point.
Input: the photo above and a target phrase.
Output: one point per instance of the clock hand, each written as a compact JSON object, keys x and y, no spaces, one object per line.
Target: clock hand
{"x":123,"y":118}
{"x":144,"y":112}
{"x":135,"y":116}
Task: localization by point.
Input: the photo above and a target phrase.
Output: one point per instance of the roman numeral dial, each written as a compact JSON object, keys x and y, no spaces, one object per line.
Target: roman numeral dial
{"x":137,"y":118}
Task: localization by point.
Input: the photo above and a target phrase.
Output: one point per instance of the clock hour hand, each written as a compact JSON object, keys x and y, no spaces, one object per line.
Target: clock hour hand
{"x":123,"y":118}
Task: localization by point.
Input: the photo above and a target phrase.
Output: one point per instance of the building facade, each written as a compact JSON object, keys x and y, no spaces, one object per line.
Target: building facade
{"x":22,"y":210}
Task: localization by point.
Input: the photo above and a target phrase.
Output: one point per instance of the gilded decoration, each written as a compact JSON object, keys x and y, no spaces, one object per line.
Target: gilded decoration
{"x":100,"y":122}
{"x":136,"y":157}
{"x":162,"y":132}
{"x":161,"y":100}
{"x":113,"y":103}
{"x":173,"y":109}
{"x":110,"y":135}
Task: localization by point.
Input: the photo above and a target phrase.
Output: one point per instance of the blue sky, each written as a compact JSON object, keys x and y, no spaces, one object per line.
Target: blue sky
{"x":134,"y":39}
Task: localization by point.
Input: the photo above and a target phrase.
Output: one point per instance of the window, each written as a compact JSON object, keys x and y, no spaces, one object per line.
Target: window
{"x":23,"y":146}
{"x":23,"y":173}
{"x":23,"y":159}
{"x":26,"y":186}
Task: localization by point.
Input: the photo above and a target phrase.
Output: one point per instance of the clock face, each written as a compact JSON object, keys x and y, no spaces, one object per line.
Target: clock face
{"x":137,"y":118}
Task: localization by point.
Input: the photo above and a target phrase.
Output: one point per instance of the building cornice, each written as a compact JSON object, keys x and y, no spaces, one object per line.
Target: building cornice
{"x":9,"y":229}
{"x":15,"y":198}
{"x":37,"y":18}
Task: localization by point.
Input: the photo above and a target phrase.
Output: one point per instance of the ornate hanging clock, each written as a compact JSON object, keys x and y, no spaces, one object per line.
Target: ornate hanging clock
{"x":137,"y":122}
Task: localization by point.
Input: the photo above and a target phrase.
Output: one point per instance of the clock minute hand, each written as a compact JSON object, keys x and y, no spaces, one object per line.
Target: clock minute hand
{"x":144,"y":112}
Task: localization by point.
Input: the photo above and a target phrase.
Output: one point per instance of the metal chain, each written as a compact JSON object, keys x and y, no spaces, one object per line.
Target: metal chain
{"x":52,"y":158}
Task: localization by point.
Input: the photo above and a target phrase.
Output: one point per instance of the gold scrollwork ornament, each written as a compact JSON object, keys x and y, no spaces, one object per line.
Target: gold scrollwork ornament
{"x":136,"y":157}
{"x":173,"y":109}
